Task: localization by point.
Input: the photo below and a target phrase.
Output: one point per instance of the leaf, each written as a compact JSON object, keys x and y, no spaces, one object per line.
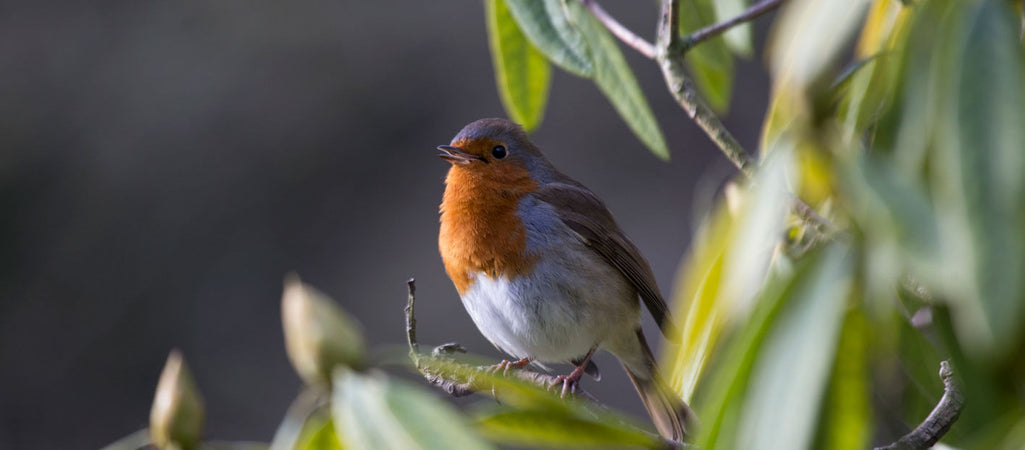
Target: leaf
{"x":808,"y":35}
{"x":847,"y":413}
{"x":305,"y":416}
{"x":725,"y":271}
{"x":780,"y":360}
{"x":521,"y":72}
{"x":710,"y":62}
{"x":320,"y":436}
{"x":545,"y":24}
{"x":738,"y":38}
{"x":546,"y":429}
{"x":615,"y":79}
{"x":374,"y":411}
{"x":794,"y":360}
{"x":990,"y":112}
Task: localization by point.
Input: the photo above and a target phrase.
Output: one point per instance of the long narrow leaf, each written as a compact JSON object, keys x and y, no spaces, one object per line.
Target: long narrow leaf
{"x":521,"y":72}
{"x":544,"y":22}
{"x":615,"y":79}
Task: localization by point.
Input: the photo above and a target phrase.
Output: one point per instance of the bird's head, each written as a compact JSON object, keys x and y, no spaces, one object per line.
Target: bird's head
{"x":496,"y":149}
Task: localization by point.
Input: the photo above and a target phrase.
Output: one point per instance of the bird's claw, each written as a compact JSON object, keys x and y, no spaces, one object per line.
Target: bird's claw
{"x":505,"y":365}
{"x":570,"y":384}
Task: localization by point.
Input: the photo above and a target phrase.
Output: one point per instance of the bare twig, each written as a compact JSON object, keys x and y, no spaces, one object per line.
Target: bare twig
{"x":414,"y":347}
{"x":756,"y":10}
{"x":939,"y":420}
{"x":621,"y":32}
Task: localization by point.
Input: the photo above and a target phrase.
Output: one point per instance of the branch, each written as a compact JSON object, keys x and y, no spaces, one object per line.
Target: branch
{"x":617,"y":29}
{"x":939,"y":420}
{"x":711,"y":31}
{"x":669,"y":55}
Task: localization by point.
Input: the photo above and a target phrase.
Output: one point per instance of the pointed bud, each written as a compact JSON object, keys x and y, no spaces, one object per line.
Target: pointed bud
{"x":176,"y":419}
{"x":318,"y":333}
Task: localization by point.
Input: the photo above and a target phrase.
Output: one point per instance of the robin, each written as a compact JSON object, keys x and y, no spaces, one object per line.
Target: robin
{"x":543,"y":269}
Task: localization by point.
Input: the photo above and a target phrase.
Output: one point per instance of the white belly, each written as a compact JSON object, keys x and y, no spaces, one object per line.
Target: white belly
{"x":568,"y":306}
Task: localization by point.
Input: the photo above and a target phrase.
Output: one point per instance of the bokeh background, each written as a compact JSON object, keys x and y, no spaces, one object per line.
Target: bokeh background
{"x":163,"y":165}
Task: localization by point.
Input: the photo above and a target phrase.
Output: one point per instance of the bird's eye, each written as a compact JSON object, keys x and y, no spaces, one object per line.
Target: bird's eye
{"x":498,"y":152}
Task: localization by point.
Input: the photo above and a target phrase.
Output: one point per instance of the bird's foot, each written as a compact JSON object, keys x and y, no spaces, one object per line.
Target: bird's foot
{"x":569,"y":383}
{"x":505,"y":365}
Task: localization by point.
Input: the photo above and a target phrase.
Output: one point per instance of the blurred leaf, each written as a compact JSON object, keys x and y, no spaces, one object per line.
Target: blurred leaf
{"x":233,"y":445}
{"x":808,"y":35}
{"x":305,"y":416}
{"x":374,"y":411}
{"x":509,"y":390}
{"x":710,"y":62}
{"x":766,"y":390}
{"x":545,"y":23}
{"x":795,"y":359}
{"x":991,"y":114}
{"x":320,"y":435}
{"x":547,"y":429}
{"x":615,"y":79}
{"x":739,"y":37}
{"x":319,"y":334}
{"x":847,"y":412}
{"x":176,"y":417}
{"x":134,"y":441}
{"x":884,"y":16}
{"x":521,"y":72}
{"x":727,"y":268}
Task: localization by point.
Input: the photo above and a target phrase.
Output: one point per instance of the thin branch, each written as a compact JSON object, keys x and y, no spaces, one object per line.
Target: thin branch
{"x":939,"y":420}
{"x":711,"y":31}
{"x":617,"y":29}
{"x":414,"y":347}
{"x":670,"y":54}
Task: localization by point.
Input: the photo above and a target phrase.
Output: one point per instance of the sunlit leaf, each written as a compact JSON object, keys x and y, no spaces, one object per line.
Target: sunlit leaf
{"x":521,"y":72}
{"x":739,"y":37}
{"x":710,"y":62}
{"x":545,"y":24}
{"x":305,"y":419}
{"x":725,"y":271}
{"x":546,"y":429}
{"x":787,"y":381}
{"x":615,"y":79}
{"x":320,"y":436}
{"x":766,"y":390}
{"x":847,"y":411}
{"x":374,"y":411}
{"x":809,"y":35}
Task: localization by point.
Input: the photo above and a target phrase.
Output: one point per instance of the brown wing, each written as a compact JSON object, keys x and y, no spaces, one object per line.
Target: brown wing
{"x":586,"y":215}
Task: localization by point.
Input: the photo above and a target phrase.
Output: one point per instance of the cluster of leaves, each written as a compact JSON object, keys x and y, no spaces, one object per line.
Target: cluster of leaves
{"x":806,"y":337}
{"x":350,"y":402}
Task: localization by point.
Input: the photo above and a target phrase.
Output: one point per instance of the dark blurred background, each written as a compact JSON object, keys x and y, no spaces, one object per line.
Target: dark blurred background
{"x":163,"y":165}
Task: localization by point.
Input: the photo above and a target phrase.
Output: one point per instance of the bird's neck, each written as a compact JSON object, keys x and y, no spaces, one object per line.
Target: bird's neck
{"x":481,"y":231}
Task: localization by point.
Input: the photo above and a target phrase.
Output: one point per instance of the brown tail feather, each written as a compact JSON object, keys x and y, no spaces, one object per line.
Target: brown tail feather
{"x":668,"y":411}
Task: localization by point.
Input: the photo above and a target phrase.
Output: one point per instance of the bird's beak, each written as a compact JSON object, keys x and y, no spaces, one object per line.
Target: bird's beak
{"x":456,"y":155}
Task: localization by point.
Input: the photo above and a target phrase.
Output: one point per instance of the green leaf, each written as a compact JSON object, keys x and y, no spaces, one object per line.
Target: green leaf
{"x":545,"y":24}
{"x":304,"y":419}
{"x":808,"y":35}
{"x":710,"y":62}
{"x":372,"y":410}
{"x":990,"y":112}
{"x":767,"y":389}
{"x":521,"y":72}
{"x":727,"y":268}
{"x":547,"y":428}
{"x":320,"y":436}
{"x":795,"y":359}
{"x":847,"y":413}
{"x":738,"y":38}
{"x":615,"y":79}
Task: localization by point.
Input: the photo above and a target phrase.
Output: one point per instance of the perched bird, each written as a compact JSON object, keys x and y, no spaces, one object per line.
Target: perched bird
{"x":542,"y":267}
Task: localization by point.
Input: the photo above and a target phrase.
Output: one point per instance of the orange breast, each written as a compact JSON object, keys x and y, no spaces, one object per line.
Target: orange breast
{"x":480,"y":231}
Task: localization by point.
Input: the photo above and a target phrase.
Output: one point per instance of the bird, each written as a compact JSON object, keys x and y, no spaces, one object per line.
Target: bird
{"x":543,"y":269}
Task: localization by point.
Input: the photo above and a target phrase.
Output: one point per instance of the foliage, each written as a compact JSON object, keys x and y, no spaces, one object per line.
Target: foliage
{"x":908,"y":136}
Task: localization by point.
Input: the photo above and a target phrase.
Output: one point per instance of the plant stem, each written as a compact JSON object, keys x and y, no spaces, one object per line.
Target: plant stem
{"x":711,"y":31}
{"x":617,"y":29}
